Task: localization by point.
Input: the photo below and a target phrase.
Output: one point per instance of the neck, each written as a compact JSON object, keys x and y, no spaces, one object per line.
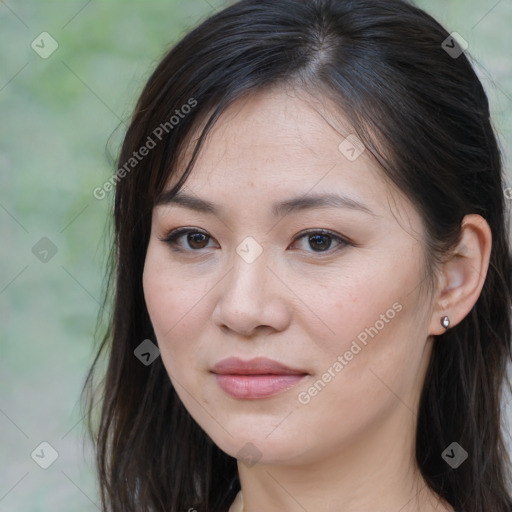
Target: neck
{"x":375,"y":471}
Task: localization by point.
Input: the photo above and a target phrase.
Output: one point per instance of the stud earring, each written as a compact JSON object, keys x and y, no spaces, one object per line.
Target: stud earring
{"x":445,"y":322}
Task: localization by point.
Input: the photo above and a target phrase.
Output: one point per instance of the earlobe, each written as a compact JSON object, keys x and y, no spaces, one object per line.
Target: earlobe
{"x":463,"y":275}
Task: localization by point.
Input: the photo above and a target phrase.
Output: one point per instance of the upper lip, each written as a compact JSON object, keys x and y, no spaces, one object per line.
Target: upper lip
{"x":256,"y":366}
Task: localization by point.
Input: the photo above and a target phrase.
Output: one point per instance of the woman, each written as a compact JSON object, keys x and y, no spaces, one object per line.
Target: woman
{"x":312,"y":272}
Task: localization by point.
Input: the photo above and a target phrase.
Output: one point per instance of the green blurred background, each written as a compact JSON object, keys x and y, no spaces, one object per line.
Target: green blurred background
{"x":57,"y":115}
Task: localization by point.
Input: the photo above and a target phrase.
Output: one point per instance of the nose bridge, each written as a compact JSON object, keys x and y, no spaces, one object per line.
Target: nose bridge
{"x":247,"y":297}
{"x":248,"y":275}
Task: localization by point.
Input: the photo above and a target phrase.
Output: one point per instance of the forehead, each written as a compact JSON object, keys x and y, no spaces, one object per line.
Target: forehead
{"x":275,"y":144}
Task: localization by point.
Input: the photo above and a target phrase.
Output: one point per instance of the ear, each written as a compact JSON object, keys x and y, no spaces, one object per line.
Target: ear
{"x":463,"y":275}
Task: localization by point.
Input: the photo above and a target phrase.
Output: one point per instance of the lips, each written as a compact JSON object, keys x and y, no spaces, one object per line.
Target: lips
{"x":256,"y":366}
{"x":255,"y":379}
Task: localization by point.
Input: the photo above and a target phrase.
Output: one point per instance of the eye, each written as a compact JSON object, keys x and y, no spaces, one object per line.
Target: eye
{"x":195,"y":239}
{"x":320,"y":240}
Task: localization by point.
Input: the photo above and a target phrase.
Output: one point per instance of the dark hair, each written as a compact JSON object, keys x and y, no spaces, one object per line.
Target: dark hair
{"x":422,"y":113}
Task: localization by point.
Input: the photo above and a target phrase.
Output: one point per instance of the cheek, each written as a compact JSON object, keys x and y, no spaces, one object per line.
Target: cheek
{"x":174,"y":306}
{"x":375,"y":325}
{"x":364,"y":303}
{"x":360,"y":383}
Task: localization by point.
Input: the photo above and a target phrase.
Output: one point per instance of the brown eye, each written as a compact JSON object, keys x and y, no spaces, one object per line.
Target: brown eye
{"x":195,"y":240}
{"x":321,"y":240}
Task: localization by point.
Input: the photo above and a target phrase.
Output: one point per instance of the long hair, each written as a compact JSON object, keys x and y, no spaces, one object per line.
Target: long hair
{"x":419,"y":108}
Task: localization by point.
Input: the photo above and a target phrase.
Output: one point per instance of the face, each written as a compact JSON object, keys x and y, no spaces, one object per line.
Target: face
{"x":330,"y":291}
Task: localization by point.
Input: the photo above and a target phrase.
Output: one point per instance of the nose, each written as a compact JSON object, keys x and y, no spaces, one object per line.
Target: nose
{"x":252,"y":298}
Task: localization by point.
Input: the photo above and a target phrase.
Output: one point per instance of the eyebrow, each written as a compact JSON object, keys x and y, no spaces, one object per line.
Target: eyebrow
{"x":278,"y":209}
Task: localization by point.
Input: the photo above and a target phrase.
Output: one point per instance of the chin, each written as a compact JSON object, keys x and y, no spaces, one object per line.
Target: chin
{"x":256,"y":446}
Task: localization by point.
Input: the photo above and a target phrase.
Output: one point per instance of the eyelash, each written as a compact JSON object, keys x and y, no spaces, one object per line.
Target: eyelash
{"x":171,"y":239}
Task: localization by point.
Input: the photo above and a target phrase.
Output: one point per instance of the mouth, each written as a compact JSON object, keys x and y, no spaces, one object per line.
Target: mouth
{"x":257,"y":378}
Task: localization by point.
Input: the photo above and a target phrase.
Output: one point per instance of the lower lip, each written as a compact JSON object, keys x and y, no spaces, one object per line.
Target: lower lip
{"x":256,"y":386}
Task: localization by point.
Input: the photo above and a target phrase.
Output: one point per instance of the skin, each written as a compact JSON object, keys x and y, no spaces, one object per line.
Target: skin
{"x":351,"y":447}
